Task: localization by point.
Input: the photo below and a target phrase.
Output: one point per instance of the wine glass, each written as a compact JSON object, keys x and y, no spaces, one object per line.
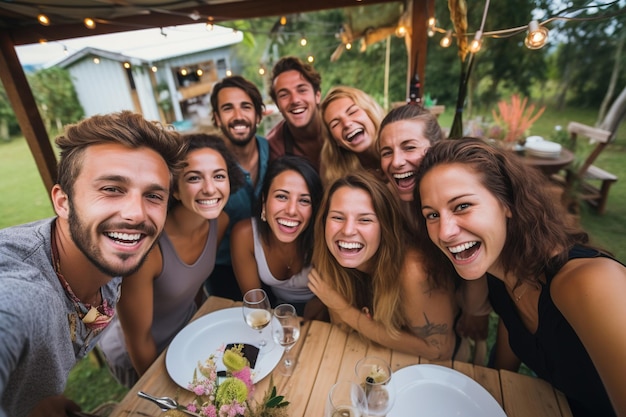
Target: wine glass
{"x":257,"y":311}
{"x":286,"y":331}
{"x":374,"y":375}
{"x":346,"y":399}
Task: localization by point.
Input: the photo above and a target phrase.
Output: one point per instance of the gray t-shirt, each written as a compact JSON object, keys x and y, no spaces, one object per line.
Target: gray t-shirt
{"x":41,"y":335}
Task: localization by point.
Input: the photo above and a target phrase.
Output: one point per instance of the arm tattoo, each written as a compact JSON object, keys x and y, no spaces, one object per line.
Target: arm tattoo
{"x":429,"y":330}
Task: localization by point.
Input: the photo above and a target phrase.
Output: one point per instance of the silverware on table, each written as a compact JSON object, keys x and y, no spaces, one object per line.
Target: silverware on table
{"x":166,"y":403}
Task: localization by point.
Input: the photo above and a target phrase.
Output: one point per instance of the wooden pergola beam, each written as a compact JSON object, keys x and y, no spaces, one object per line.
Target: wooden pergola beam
{"x":23,"y":103}
{"x":417,"y":41}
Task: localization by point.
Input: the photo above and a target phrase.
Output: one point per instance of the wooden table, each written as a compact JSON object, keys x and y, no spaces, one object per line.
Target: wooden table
{"x":326,"y":354}
{"x":549,"y":166}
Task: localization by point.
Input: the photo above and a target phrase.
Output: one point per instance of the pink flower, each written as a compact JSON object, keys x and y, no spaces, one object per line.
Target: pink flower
{"x":232,"y":410}
{"x":245,"y":375}
{"x":209,"y":411}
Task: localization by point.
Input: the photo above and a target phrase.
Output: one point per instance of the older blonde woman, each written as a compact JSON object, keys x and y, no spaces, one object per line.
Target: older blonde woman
{"x":351,"y":121}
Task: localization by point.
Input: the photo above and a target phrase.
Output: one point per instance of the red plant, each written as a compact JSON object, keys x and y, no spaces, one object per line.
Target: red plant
{"x":515,"y":118}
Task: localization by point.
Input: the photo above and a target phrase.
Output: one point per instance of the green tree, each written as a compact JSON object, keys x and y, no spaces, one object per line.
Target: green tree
{"x":585,"y":57}
{"x":8,"y":122}
{"x":55,"y":96}
{"x":364,"y":70}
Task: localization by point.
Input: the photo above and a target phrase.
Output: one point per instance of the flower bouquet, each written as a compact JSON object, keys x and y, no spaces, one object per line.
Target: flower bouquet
{"x":232,"y":396}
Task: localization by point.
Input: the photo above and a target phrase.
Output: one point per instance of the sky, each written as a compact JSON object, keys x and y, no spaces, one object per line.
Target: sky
{"x":147,"y":44}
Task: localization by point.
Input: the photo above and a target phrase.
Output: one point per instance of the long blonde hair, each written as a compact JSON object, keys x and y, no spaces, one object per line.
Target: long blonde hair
{"x":337,"y":161}
{"x":383,"y":285}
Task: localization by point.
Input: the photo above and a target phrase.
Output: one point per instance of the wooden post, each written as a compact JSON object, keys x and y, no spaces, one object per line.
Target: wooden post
{"x":25,"y":108}
{"x":417,"y":39}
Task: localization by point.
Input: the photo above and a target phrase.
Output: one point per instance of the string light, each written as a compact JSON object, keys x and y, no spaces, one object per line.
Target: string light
{"x":229,"y":73}
{"x":183,"y":72}
{"x":127,"y":65}
{"x":283,"y":20}
{"x":154,"y":68}
{"x":89,"y":23}
{"x":43,"y":19}
{"x":477,"y":42}
{"x":446,"y":40}
{"x":349,"y":46}
{"x":401,"y":31}
{"x":310,"y":58}
{"x":96,"y":60}
{"x":303,"y":41}
{"x":537,"y":35}
{"x":261,"y":71}
{"x":43,"y":41}
{"x":199,"y":72}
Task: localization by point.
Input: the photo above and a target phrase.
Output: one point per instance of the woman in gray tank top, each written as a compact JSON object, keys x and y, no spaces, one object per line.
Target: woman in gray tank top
{"x":159,"y":299}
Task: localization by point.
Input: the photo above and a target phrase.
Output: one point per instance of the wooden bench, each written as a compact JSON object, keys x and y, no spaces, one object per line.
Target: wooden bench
{"x":591,"y":182}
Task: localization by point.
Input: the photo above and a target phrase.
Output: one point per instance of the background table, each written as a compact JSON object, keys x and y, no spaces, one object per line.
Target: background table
{"x":549,"y":166}
{"x":327,"y":354}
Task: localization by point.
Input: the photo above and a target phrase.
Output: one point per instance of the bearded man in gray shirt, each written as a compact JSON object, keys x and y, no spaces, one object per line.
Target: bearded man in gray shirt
{"x":59,"y":277}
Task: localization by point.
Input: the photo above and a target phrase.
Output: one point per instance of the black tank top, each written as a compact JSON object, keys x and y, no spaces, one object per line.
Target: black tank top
{"x":554,"y":352}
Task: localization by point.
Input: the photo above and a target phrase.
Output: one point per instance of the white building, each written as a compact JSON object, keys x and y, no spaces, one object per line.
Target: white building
{"x":167,"y":78}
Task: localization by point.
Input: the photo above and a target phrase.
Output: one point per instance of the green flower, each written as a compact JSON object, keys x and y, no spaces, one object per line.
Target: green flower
{"x":232,"y":389}
{"x":234,"y":360}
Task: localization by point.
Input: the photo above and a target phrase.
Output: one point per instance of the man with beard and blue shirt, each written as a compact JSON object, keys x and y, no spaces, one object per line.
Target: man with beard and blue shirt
{"x":237,"y":108}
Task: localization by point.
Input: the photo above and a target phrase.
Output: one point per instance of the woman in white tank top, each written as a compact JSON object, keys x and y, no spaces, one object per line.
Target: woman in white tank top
{"x":274,"y":248}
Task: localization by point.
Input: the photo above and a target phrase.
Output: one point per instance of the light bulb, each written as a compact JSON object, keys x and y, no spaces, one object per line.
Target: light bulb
{"x":154,"y":68}
{"x":183,"y":72}
{"x":43,"y":19}
{"x":537,"y":35}
{"x":96,"y":60}
{"x":199,"y":72}
{"x":401,"y":31}
{"x":89,"y":23}
{"x":283,"y":20}
{"x":127,"y":65}
{"x":303,"y":41}
{"x":446,"y":40}
{"x":349,"y":46}
{"x":477,"y":42}
{"x":310,"y":58}
{"x":261,"y":71}
{"x":229,"y":73}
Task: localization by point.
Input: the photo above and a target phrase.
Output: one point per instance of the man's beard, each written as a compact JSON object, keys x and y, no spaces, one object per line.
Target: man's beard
{"x":82,"y":240}
{"x":235,"y":140}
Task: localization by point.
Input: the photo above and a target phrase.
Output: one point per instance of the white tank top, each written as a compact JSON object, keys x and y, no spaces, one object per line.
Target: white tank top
{"x":292,"y":290}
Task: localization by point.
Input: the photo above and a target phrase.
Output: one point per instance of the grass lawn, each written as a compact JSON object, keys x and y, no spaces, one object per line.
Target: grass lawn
{"x":25,"y":199}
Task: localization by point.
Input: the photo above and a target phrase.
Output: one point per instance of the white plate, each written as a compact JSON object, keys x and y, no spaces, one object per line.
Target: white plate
{"x":433,"y":390}
{"x":204,"y":336}
{"x":544,"y":147}
{"x":531,"y":139}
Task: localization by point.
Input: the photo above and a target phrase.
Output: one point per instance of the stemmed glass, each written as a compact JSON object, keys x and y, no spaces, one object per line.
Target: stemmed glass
{"x":257,"y":311}
{"x":374,"y":375}
{"x":346,"y":399}
{"x":286,"y":331}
